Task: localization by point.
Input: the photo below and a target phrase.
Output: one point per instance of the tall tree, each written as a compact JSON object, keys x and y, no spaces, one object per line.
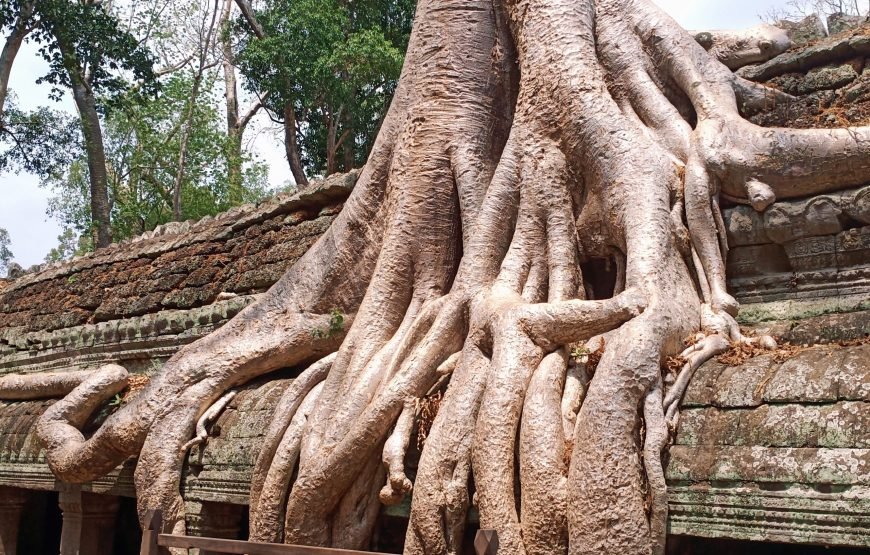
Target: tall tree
{"x":206,"y":30}
{"x":90,"y":54}
{"x":327,"y":70}
{"x":18,"y":17}
{"x":526,"y":141}
{"x":237,"y":122}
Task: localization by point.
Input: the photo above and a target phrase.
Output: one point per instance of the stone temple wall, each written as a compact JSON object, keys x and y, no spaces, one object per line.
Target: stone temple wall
{"x":776,"y":448}
{"x":136,"y":304}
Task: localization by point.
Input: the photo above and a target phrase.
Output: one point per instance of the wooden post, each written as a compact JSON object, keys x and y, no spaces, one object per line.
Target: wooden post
{"x":150,"y":533}
{"x":486,"y":542}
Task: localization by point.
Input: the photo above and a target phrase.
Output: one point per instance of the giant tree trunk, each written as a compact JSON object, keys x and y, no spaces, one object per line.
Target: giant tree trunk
{"x":526,"y":137}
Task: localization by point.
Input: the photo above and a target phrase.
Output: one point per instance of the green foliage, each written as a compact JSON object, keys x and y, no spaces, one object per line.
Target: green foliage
{"x":336,"y":63}
{"x":43,"y":142}
{"x":336,"y":326}
{"x":143,"y":139}
{"x":5,"y":254}
{"x":103,"y":50}
{"x":143,"y":143}
{"x":69,"y":244}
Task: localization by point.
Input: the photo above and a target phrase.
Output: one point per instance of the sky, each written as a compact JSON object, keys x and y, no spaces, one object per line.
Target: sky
{"x":23,"y":203}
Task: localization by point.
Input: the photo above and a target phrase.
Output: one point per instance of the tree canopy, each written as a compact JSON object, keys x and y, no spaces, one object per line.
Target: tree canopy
{"x":336,"y":63}
{"x":159,"y":130}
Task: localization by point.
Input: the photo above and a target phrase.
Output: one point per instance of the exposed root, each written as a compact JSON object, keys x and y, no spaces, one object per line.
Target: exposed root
{"x":69,"y":455}
{"x":515,"y":358}
{"x":207,"y":418}
{"x":427,"y":407}
{"x":576,"y":383}
{"x":695,"y":356}
{"x":754,"y":97}
{"x":398,"y":485}
{"x":441,"y":499}
{"x":285,"y":411}
{"x":736,"y":49}
{"x":543,"y":472}
{"x":654,"y":444}
{"x":21,"y":387}
{"x":267,"y":510}
{"x":320,"y":487}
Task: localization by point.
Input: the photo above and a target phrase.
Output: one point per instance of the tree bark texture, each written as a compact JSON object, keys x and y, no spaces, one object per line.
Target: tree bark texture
{"x":236,"y":122}
{"x":20,"y":29}
{"x":86,"y":103}
{"x":526,"y":137}
{"x":291,"y":147}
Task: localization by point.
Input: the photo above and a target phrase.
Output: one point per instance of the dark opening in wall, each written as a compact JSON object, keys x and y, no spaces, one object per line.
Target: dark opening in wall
{"x":128,"y":534}
{"x":41,"y":524}
{"x":599,"y":277}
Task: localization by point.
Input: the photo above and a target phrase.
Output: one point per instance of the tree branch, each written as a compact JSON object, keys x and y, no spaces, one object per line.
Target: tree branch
{"x":10,"y":49}
{"x":251,"y":18}
{"x":249,"y":115}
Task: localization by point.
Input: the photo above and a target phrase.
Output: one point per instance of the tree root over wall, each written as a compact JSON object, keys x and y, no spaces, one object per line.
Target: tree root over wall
{"x":526,"y":139}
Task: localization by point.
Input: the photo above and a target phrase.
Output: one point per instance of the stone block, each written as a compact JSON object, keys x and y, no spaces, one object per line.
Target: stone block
{"x":807,"y":30}
{"x":743,"y":386}
{"x":846,"y":424}
{"x":858,"y":207}
{"x":757,"y":260}
{"x":827,"y":78}
{"x":788,"y":221}
{"x":812,"y":253}
{"x":190,"y":297}
{"x":770,"y":464}
{"x":707,"y":426}
{"x":839,"y":22}
{"x":853,"y":381}
{"x":702,"y":387}
{"x":776,"y":426}
{"x":808,"y":377}
{"x":853,"y":247}
{"x":744,"y":226}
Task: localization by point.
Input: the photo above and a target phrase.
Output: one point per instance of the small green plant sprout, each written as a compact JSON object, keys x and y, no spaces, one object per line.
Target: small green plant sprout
{"x":580,"y":353}
{"x":336,"y":325}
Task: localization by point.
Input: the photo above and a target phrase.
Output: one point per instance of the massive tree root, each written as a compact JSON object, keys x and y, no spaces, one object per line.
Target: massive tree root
{"x":529,"y":140}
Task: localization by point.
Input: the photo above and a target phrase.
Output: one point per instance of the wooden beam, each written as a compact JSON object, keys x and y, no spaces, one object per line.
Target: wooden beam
{"x":235,"y":547}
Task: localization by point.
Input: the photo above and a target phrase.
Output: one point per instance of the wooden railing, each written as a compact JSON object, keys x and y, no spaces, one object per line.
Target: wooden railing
{"x":485,"y":543}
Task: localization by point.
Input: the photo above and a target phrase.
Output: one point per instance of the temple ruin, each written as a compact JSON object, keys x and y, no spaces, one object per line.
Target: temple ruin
{"x":771,"y":446}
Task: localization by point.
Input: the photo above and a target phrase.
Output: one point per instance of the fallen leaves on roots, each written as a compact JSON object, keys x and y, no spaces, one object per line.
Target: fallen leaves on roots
{"x":428,"y":411}
{"x":739,"y":352}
